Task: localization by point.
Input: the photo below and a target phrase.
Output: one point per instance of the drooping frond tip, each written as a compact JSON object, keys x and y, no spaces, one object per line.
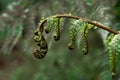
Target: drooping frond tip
{"x":113,"y":44}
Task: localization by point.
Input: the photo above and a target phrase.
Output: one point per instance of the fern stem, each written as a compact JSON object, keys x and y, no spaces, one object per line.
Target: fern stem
{"x":95,"y":23}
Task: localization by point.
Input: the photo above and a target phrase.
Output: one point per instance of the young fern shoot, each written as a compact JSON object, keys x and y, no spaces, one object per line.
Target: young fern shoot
{"x":81,"y":25}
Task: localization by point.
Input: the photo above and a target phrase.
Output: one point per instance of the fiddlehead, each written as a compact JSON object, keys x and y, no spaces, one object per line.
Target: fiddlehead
{"x":84,"y":38}
{"x":58,"y":22}
{"x":84,"y":31}
{"x":42,"y":44}
{"x":73,"y":34}
{"x":73,"y":31}
{"x":50,"y":24}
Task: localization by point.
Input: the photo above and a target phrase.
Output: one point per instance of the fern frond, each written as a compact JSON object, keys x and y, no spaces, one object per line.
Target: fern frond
{"x":113,"y":43}
{"x":78,"y":25}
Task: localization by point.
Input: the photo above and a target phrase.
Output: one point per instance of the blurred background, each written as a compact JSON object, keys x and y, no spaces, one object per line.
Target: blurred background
{"x":19,"y":19}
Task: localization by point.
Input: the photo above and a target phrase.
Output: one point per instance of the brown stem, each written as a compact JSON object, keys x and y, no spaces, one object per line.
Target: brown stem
{"x":96,"y":24}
